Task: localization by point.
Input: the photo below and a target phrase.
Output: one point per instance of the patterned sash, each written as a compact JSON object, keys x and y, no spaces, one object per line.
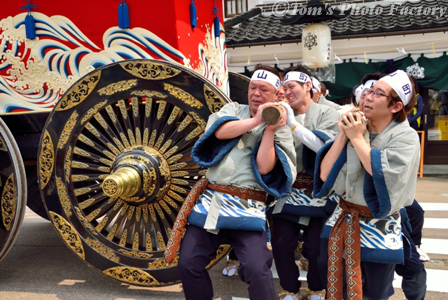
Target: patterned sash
{"x":239,"y":192}
{"x":179,"y":225}
{"x":345,"y":239}
{"x":303,"y":181}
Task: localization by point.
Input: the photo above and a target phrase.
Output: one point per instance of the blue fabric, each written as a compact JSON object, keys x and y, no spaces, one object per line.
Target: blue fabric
{"x":322,"y":189}
{"x":217,"y":25}
{"x":278,"y":182}
{"x":193,"y":15}
{"x":382,"y":256}
{"x":30,"y":27}
{"x":375,"y":189}
{"x":311,"y":211}
{"x":309,"y":156}
{"x":208,"y":151}
{"x":123,"y":15}
{"x":240,"y":223}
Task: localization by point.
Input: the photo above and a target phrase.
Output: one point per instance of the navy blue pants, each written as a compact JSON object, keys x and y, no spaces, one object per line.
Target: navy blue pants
{"x":284,"y":242}
{"x":413,"y":272}
{"x":416,"y":216}
{"x":376,"y":277}
{"x":198,"y":248}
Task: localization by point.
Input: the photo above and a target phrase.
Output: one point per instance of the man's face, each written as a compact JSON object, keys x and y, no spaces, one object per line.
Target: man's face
{"x":362,"y":99}
{"x":375,"y":104}
{"x":296,"y":93}
{"x":280,"y":96}
{"x":316,"y":96}
{"x":260,"y":92}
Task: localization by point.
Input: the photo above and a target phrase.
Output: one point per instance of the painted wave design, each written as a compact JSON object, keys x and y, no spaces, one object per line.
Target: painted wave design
{"x":36,"y":73}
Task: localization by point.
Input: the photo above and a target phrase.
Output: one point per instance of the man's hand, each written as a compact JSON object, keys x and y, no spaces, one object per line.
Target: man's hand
{"x":291,"y":120}
{"x":353,"y":124}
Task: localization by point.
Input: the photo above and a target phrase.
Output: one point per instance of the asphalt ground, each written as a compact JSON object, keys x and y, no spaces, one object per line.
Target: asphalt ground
{"x":40,"y":266}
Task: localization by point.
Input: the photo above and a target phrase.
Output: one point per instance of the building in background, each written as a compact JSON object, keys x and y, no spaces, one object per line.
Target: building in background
{"x":375,"y":36}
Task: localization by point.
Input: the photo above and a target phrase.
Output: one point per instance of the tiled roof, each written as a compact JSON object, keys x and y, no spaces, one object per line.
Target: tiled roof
{"x":261,"y":26}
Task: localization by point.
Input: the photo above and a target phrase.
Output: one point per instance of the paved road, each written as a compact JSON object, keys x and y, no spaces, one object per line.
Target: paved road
{"x":41,"y":267}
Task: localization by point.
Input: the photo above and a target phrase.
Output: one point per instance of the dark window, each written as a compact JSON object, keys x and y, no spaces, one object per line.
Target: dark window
{"x":234,"y":7}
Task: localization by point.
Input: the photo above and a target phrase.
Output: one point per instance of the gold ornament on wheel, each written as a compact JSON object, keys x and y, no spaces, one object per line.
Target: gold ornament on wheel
{"x":46,"y":160}
{"x":149,"y":71}
{"x":132,"y":276}
{"x":8,"y":202}
{"x":79,"y":92}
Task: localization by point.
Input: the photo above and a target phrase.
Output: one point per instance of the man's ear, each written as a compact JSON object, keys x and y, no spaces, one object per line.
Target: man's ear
{"x":308,"y":86}
{"x":397,"y":107}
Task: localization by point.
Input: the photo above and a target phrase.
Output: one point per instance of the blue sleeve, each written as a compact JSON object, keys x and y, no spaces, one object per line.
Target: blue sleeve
{"x":322,"y":189}
{"x":208,"y":151}
{"x":375,"y":189}
{"x":279,"y":181}
{"x":309,"y":156}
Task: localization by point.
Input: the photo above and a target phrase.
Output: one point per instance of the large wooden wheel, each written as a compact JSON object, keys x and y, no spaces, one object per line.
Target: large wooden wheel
{"x":12,"y":189}
{"x":239,"y":84}
{"x":114,"y":164}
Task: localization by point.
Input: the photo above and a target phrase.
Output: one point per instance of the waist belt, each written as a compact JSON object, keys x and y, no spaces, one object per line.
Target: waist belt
{"x":239,"y":192}
{"x":177,"y":231}
{"x":345,"y":238}
{"x":303,"y":181}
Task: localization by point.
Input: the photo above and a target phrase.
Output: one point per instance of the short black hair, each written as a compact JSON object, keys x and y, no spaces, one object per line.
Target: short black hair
{"x":267,"y":68}
{"x":303,"y":69}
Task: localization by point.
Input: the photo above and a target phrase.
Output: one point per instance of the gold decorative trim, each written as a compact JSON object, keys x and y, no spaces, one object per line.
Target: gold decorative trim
{"x":91,"y":112}
{"x":179,"y":173}
{"x":182,"y":95}
{"x":78,"y":92}
{"x":184,"y":123}
{"x":195,"y":133}
{"x":165,"y":146}
{"x":165,"y":207}
{"x":3,"y":145}
{"x":68,"y":234}
{"x":9,"y":202}
{"x":68,"y":129}
{"x":179,"y":181}
{"x":161,"y":264}
{"x":178,"y":166}
{"x":149,"y":71}
{"x":222,"y":250}
{"x":82,"y":191}
{"x":137,"y":254}
{"x":170,"y":202}
{"x":176,"y":196}
{"x":63,"y":197}
{"x":86,"y":203}
{"x":174,"y":158}
{"x":161,"y":241}
{"x":148,"y":94}
{"x":132,"y":276}
{"x":159,"y":211}
{"x":214,"y":103}
{"x":99,"y":248}
{"x":170,"y":152}
{"x":46,"y":160}
{"x":178,"y":189}
{"x":199,"y":120}
{"x":67,"y":164}
{"x":84,"y":221}
{"x":116,"y":87}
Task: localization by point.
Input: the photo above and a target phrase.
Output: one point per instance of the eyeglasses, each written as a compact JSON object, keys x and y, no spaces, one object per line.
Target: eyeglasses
{"x":376,"y":94}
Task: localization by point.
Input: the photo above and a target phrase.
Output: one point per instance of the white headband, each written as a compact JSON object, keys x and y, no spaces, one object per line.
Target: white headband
{"x":401,"y":84}
{"x":358,"y":93}
{"x":316,"y":84}
{"x":267,"y":76}
{"x":369,"y":84}
{"x":296,"y":76}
